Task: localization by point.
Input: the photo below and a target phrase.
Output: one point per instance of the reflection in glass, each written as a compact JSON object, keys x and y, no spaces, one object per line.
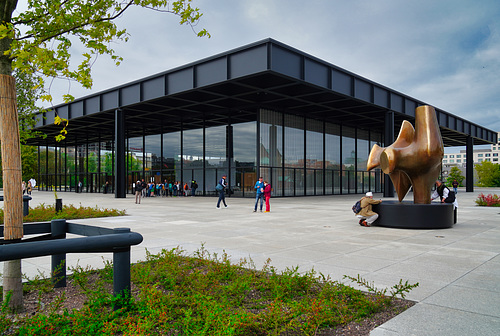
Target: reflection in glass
{"x":215,"y":150}
{"x":271,"y":138}
{"x":294,"y":141}
{"x":193,"y":148}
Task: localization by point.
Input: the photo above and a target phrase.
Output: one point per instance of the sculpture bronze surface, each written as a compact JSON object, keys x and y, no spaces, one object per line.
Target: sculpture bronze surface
{"x":414,"y":159}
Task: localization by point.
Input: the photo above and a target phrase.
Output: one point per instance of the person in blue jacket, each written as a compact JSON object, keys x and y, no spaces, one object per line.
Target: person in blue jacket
{"x":259,"y":195}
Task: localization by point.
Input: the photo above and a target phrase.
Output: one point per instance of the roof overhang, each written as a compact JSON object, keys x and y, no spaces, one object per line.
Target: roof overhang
{"x":266,"y":74}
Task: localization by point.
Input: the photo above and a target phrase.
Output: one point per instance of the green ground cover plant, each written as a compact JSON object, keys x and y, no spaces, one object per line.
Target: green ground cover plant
{"x":44,"y":213}
{"x":488,"y":200}
{"x":204,"y":294}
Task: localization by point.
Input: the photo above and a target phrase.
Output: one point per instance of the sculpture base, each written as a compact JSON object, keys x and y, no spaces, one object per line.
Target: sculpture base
{"x":407,"y":215}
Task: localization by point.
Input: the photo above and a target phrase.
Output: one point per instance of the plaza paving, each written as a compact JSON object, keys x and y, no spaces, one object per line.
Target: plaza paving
{"x":458,"y":269}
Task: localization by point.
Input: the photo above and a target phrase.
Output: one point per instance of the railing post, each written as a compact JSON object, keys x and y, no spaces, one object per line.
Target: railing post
{"x":26,"y":205}
{"x":121,"y":270}
{"x":58,"y":266}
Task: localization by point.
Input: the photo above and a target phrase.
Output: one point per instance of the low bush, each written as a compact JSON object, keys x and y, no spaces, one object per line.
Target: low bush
{"x":205,"y":294}
{"x":44,"y":213}
{"x":489,"y":200}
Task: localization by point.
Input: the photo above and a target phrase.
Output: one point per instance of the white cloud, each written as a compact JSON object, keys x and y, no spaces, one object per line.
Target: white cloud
{"x":446,"y":53}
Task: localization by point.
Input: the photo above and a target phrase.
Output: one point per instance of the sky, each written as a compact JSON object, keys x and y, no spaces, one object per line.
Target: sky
{"x":445,"y":53}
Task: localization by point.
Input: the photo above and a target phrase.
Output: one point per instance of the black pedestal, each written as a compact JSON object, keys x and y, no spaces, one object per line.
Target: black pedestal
{"x":407,"y":215}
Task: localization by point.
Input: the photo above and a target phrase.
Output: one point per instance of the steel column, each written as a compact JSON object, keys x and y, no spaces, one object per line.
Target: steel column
{"x":120,"y":172}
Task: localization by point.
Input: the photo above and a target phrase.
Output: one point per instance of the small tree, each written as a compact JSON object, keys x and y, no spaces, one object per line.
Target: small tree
{"x":455,"y":174}
{"x":39,"y":41}
{"x":488,"y":174}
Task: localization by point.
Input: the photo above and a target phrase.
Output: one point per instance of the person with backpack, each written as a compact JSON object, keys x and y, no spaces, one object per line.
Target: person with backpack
{"x":267,"y":195}
{"x":445,"y":194}
{"x":194,"y":186}
{"x":364,"y":211}
{"x":221,"y":187}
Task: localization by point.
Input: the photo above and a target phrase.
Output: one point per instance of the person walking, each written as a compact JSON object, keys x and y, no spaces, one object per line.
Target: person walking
{"x":267,"y":195}
{"x":80,"y":187}
{"x":259,"y":194}
{"x":455,"y":186}
{"x":366,"y":215}
{"x":221,"y":188}
{"x":24,"y":187}
{"x":29,"y":188}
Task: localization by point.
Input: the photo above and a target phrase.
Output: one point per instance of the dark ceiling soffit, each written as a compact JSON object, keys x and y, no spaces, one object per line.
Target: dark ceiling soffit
{"x":292,"y":75}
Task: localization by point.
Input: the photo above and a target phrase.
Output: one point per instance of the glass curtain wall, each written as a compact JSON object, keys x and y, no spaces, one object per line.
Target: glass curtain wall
{"x":332,"y":159}
{"x":244,"y":155}
{"x":215,"y":156}
{"x":348,"y":160}
{"x":363,"y":149}
{"x":294,"y":153}
{"x":171,"y":157}
{"x":298,"y":156}
{"x":271,"y":153}
{"x":314,"y":157}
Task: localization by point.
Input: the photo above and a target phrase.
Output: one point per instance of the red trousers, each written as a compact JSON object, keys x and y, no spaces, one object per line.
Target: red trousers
{"x":268,"y":206}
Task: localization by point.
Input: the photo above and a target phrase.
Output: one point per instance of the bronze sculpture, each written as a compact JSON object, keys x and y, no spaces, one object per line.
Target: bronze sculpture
{"x":414,"y":159}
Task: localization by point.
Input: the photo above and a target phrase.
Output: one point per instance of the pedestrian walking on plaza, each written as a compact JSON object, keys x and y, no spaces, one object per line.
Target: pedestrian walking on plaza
{"x":29,"y":187}
{"x":24,"y":187}
{"x":221,"y":188}
{"x":455,"y":186}
{"x":267,"y":195}
{"x":80,"y":187}
{"x":366,"y":215}
{"x":259,"y":194}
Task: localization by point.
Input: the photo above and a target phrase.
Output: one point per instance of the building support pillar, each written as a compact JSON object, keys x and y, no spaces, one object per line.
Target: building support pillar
{"x":120,"y":171}
{"x":388,"y":140}
{"x":469,"y":168}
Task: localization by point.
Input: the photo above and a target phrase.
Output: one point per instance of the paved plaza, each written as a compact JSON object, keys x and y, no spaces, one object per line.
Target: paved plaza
{"x":458,"y":269}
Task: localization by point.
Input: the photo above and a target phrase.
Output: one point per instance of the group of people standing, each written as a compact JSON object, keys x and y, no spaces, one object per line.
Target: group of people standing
{"x":263,"y":192}
{"x":28,"y":187}
{"x":165,"y":189}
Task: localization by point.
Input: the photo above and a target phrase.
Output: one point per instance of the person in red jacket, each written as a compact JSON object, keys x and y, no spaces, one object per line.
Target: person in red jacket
{"x":267,"y":195}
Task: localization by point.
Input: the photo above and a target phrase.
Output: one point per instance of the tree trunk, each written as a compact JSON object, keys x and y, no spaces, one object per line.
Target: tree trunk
{"x":12,"y":189}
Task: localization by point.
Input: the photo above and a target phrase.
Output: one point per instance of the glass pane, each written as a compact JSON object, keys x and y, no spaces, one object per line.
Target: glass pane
{"x":332,"y":144}
{"x":171,"y":156}
{"x":271,"y":138}
{"x":310,"y":182}
{"x":153,"y":152}
{"x":277,"y":182}
{"x":289,"y":181}
{"x":299,"y":182}
{"x":363,"y":148}
{"x":314,"y":141}
{"x":193,"y":148}
{"x":244,"y":142}
{"x":294,"y":141}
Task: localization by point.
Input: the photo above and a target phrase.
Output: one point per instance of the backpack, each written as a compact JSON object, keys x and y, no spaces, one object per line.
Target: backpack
{"x":356,"y":208}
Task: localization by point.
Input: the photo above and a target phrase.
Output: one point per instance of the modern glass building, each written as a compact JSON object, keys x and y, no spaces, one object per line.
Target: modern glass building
{"x":264,"y":109}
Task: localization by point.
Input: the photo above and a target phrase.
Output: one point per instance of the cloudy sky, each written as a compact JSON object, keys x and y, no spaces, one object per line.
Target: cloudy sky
{"x":446,"y":52}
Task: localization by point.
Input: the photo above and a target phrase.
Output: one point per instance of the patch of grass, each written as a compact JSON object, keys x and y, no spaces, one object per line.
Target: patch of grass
{"x":44,"y":213}
{"x":205,"y":294}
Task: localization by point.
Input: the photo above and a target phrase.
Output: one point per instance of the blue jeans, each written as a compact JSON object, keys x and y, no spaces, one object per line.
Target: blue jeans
{"x":222,"y":197}
{"x":257,"y":197}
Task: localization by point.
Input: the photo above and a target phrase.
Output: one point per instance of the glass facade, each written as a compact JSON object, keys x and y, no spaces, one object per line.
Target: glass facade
{"x":297,"y":155}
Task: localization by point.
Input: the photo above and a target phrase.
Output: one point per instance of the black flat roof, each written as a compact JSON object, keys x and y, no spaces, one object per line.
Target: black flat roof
{"x":266,"y":74}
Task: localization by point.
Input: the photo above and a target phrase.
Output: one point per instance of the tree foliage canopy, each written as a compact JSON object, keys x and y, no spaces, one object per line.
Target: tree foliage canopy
{"x":42,"y":36}
{"x":488,"y":174}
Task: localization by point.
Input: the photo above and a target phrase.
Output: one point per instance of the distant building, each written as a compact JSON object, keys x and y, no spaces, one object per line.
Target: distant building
{"x":459,"y":158}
